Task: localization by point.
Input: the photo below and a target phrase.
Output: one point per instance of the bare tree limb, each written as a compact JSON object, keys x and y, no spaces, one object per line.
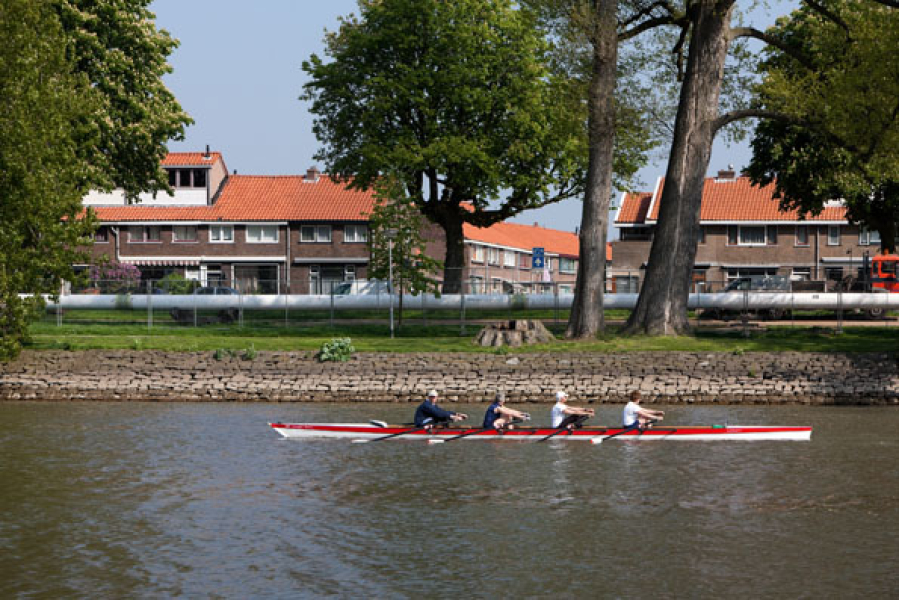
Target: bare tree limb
{"x":752,"y":32}
{"x":751,"y":113}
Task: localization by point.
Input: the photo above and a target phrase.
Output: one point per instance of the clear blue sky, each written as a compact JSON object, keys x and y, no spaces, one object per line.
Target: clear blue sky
{"x":237,"y":73}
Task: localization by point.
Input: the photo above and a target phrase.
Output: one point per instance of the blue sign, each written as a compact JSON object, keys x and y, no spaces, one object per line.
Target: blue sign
{"x":537,"y":258}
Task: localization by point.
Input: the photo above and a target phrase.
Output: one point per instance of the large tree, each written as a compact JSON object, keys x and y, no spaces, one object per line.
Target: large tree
{"x":40,"y":173}
{"x":839,"y":139}
{"x":115,"y":44}
{"x":454,"y":100}
{"x":83,"y":107}
{"x":586,"y":37}
{"x":707,"y":34}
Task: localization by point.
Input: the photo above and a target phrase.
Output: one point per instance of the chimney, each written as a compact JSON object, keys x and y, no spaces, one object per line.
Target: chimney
{"x":312,"y":174}
{"x":727,"y":175}
{"x":206,"y":155}
{"x":536,"y":224}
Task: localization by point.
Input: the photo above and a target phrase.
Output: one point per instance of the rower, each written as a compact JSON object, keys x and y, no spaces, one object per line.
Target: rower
{"x":637,"y":417}
{"x":500,"y":417}
{"x":429,"y":408}
{"x":565,"y":416}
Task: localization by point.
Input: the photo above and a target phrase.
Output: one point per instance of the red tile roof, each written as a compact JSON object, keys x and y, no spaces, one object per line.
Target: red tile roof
{"x":525,"y":237}
{"x":260,"y":198}
{"x":723,"y":200}
{"x":190,"y":159}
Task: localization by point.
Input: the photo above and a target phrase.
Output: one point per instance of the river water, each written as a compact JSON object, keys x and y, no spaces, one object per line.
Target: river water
{"x":204,"y":500}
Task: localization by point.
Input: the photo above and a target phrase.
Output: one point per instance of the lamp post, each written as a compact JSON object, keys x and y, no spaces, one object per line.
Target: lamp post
{"x":390,"y":234}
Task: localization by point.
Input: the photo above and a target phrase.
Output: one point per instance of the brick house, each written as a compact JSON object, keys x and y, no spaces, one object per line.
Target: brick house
{"x":296,"y":234}
{"x":744,"y":233}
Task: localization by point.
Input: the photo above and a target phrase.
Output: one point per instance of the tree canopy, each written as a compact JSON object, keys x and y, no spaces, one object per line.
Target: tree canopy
{"x":838,"y":138}
{"x":455,"y":101}
{"x":83,"y":106}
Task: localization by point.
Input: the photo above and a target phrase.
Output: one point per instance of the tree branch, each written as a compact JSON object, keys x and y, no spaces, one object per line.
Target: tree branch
{"x":752,"y":32}
{"x":830,"y":16}
{"x":750,"y":113}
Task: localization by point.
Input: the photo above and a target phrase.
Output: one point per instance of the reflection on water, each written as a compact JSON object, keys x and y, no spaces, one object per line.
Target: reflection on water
{"x":204,"y":500}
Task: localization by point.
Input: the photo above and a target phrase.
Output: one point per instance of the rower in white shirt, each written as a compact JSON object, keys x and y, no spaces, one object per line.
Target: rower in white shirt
{"x":637,"y":417}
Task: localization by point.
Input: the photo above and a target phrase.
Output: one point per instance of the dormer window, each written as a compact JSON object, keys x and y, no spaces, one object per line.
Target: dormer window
{"x":187,"y":178}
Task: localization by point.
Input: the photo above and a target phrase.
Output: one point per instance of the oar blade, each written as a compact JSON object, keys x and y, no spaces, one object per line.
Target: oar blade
{"x":431,"y":442}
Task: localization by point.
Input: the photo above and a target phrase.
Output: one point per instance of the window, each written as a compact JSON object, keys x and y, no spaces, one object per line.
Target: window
{"x":262,"y":234}
{"x":626,"y":284}
{"x":636,"y":233}
{"x":187,"y":178}
{"x":567,"y":265}
{"x":752,"y":236}
{"x":349,"y":273}
{"x":184,"y":233}
{"x":702,"y":235}
{"x":315,"y":233}
{"x":868,"y":238}
{"x":755,"y":235}
{"x":772,"y":235}
{"x":221,"y":233}
{"x":101,"y":235}
{"x":138,"y":235}
{"x":524,"y":261}
{"x":801,"y":274}
{"x":802,"y":235}
{"x":833,"y":235}
{"x":355,"y":233}
{"x":509,"y":258}
{"x":493,"y":256}
{"x":476,"y":285}
{"x":477,"y":254}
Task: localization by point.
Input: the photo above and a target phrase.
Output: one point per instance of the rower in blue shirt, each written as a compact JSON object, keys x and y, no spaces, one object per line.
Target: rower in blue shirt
{"x":500,"y":417}
{"x":438,"y":416}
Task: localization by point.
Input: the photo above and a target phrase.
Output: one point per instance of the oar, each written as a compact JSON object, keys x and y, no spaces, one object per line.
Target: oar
{"x":580,"y":420}
{"x":599,"y":439}
{"x":460,"y":436}
{"x":393,"y":435}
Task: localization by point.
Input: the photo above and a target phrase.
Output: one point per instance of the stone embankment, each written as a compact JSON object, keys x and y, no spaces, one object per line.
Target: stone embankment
{"x":662,"y":377}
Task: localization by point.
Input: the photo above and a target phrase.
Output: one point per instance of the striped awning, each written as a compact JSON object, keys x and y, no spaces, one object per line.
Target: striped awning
{"x":150,"y":262}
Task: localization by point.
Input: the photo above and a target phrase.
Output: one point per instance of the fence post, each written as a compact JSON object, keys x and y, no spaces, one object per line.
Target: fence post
{"x":332,"y":304}
{"x":149,"y":305}
{"x":285,"y":306}
{"x":462,"y":307}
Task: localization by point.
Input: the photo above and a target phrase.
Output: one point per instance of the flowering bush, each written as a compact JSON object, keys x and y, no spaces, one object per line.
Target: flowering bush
{"x":115,"y":277}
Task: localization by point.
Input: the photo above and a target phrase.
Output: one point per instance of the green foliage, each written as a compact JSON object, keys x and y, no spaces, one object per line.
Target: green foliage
{"x":336,"y":350}
{"x":250,"y":353}
{"x":84,"y":106}
{"x":413,"y":270}
{"x":453,"y":100}
{"x":40,"y":174}
{"x":115,"y":48}
{"x":840,"y":135}
{"x":175,"y":283}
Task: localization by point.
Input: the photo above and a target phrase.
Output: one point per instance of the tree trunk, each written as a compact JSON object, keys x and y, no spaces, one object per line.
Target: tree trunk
{"x":662,"y":305}
{"x":586,"y":318}
{"x":455,"y":251}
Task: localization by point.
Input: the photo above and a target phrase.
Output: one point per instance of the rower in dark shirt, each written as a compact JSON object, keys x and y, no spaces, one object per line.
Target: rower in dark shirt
{"x":499,"y":416}
{"x":438,"y":416}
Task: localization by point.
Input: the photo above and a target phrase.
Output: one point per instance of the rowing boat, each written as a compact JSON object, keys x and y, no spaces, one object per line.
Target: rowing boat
{"x":673,"y":432}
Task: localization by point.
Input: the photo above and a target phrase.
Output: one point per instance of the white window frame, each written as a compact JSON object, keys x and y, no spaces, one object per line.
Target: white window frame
{"x":217,"y":234}
{"x":796,"y":241}
{"x":567,"y":265}
{"x":743,"y":228}
{"x":321,"y":234}
{"x":492,"y":256}
{"x":833,"y":240}
{"x":105,"y":238}
{"x":509,"y":259}
{"x":477,"y":254}
{"x":252,"y":230}
{"x":184,"y":229}
{"x":355,"y":234}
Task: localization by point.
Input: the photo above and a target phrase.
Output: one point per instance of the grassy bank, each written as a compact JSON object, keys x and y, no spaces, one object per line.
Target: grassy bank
{"x":417,"y":337}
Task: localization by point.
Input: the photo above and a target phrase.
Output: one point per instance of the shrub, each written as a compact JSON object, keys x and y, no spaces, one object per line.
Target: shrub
{"x":250,"y":353}
{"x":337,"y":350}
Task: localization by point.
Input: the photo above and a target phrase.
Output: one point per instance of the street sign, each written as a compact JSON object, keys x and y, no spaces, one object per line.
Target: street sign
{"x":536,"y":258}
